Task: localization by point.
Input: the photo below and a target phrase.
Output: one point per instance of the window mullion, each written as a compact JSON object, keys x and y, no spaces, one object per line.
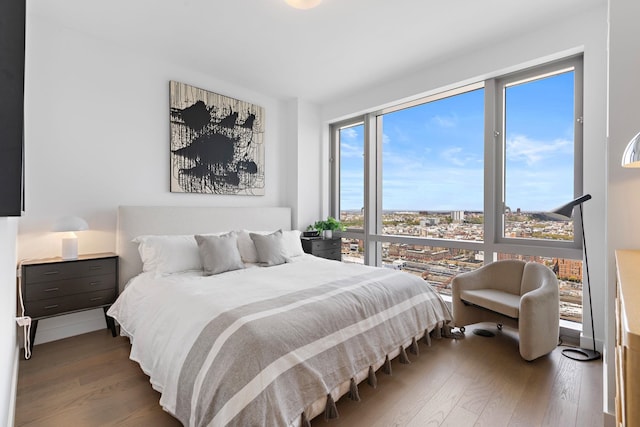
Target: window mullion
{"x":372,"y":254}
{"x":492,"y":171}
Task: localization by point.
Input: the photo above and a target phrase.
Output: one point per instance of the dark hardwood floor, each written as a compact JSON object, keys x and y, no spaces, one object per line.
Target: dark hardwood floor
{"x":88,"y":380}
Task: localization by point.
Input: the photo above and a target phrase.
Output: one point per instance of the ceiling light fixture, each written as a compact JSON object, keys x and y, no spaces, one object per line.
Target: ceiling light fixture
{"x":303,"y":4}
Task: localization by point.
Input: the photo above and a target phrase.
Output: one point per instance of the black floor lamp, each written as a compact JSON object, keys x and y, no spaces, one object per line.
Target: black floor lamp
{"x":581,"y":354}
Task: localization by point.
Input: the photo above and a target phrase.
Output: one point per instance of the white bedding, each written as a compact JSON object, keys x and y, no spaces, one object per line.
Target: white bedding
{"x":163,"y":315}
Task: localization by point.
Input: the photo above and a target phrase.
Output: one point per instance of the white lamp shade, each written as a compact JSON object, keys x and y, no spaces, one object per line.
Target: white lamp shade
{"x":631,"y":156}
{"x":303,"y":4}
{"x":70,"y":223}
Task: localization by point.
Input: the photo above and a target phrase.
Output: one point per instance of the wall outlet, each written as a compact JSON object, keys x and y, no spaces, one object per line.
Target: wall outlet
{"x":23,"y":321}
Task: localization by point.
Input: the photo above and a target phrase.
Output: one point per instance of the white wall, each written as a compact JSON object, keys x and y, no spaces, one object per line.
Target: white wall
{"x":8,"y":346}
{"x":310,"y":172}
{"x":304,"y":161}
{"x":97,"y":136}
{"x":585,"y":32}
{"x":623,"y":205}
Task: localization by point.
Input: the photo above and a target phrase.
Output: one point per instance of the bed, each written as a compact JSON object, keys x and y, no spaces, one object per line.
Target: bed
{"x":239,"y":327}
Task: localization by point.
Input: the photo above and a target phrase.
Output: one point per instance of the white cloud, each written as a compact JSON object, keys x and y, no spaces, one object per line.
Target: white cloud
{"x":445,"y":121}
{"x":452,"y":156}
{"x":350,"y":150}
{"x":457,"y":156}
{"x":349,"y":133}
{"x":521,"y":148}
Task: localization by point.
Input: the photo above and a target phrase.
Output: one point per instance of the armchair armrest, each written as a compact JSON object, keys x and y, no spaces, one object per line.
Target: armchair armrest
{"x":540,"y":317}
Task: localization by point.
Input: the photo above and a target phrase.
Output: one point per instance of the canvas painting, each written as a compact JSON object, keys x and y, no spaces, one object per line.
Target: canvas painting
{"x":217,"y":143}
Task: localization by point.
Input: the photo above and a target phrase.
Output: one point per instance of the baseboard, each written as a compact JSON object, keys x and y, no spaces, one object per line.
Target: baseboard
{"x":11,"y":409}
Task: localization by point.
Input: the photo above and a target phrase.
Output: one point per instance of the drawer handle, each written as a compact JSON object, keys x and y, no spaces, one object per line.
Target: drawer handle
{"x":95,"y":298}
{"x":50,"y":273}
{"x":49,"y":307}
{"x":96,"y":267}
{"x":51,"y":290}
{"x":94,"y":283}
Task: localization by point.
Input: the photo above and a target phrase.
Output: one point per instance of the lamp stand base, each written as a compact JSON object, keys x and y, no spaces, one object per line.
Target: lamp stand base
{"x":70,"y":248}
{"x":484,"y":333}
{"x":581,"y":354}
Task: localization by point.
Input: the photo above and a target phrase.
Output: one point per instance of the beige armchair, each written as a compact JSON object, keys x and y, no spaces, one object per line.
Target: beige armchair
{"x":516,"y":293}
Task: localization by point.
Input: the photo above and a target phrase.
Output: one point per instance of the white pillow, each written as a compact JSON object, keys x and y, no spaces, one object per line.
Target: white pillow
{"x":219,"y":253}
{"x":291,"y":241}
{"x":270,"y":248}
{"x":168,"y":254}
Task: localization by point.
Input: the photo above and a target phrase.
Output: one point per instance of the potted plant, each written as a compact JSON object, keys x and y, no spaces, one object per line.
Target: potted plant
{"x":327,"y":227}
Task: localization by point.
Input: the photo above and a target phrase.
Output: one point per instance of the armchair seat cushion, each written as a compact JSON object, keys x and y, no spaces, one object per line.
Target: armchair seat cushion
{"x":502,"y":302}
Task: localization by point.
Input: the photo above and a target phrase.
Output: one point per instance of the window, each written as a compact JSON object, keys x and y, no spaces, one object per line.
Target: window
{"x":444,"y":184}
{"x":351,"y":141}
{"x":436,"y":265}
{"x":433,"y":167}
{"x":539,"y":155}
{"x":352,"y":251}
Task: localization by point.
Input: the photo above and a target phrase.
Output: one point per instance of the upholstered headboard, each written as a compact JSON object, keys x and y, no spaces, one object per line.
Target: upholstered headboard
{"x":136,"y":221}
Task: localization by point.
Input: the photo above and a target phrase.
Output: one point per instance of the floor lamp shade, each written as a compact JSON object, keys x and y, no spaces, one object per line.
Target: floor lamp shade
{"x":567,"y":209}
{"x":581,"y":354}
{"x":70,"y":224}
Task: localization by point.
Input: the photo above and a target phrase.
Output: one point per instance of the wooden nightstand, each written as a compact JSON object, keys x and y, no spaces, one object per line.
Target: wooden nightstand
{"x":323,"y":248}
{"x":52,"y":287}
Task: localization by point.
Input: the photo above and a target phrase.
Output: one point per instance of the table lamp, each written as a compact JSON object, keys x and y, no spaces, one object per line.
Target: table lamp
{"x":70,"y":224}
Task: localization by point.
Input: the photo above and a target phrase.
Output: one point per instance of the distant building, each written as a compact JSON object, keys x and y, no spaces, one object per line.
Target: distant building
{"x":457,"y":216}
{"x":570,"y":269}
{"x":429,"y":221}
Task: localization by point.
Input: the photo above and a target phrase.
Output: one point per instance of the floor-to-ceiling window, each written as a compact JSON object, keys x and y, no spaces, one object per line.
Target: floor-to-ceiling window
{"x":446,"y":183}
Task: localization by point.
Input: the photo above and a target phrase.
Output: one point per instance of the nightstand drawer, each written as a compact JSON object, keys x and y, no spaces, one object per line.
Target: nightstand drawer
{"x":334,"y":254}
{"x":67,"y":270}
{"x":324,"y":244}
{"x":57,"y":288}
{"x":323,"y":248}
{"x":70,"y":303}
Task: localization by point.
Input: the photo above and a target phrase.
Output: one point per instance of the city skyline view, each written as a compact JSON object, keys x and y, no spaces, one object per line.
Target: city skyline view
{"x":433,"y":180}
{"x":439,"y":265}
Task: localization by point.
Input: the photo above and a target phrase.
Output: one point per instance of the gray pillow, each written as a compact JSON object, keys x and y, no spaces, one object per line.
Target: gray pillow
{"x":219,"y":253}
{"x":270,"y":248}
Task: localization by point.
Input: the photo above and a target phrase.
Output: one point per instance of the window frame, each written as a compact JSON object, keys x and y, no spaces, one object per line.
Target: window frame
{"x":494,"y":242}
{"x":499,"y":137}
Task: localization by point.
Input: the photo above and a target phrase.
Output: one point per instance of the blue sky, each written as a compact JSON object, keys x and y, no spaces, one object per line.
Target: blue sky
{"x":433,"y":154}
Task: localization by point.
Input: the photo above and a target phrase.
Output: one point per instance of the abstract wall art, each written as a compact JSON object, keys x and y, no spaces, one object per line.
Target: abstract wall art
{"x":217,"y":143}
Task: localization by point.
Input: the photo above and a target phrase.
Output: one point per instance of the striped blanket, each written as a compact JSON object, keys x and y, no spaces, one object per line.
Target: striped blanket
{"x":265,"y":362}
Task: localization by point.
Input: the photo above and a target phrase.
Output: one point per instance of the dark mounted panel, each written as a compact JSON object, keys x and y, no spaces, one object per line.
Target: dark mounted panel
{"x":12,"y":36}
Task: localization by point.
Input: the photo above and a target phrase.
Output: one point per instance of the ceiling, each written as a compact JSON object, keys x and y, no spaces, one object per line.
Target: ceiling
{"x":317,"y":55}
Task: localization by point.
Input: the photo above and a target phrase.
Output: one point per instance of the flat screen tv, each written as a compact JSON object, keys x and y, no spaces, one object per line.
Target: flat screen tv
{"x":12,"y":35}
